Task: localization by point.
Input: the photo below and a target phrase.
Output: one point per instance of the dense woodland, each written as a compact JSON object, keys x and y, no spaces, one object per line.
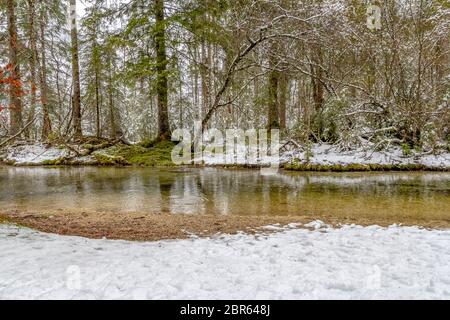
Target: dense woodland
{"x":320,"y":70}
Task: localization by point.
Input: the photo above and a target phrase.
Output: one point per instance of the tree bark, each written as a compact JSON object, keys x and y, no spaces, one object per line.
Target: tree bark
{"x":273,"y":107}
{"x":76,"y":105}
{"x":161,"y":70}
{"x":46,"y":123}
{"x":283,"y":87}
{"x":204,"y":70}
{"x":97,"y":101}
{"x":114,"y":120}
{"x":317,"y":89}
{"x":33,"y":61}
{"x":15,"y":108}
{"x":112,"y":117}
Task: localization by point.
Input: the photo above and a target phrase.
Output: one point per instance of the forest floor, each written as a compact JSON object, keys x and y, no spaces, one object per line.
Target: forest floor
{"x":316,"y":157}
{"x":315,"y":262}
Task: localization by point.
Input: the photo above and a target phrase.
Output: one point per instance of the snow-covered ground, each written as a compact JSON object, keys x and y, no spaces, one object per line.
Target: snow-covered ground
{"x":348,"y":263}
{"x":39,"y":153}
{"x":326,"y":154}
{"x":319,"y":154}
{"x":32,"y":154}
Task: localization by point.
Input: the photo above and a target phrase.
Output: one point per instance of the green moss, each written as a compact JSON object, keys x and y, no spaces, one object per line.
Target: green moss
{"x":406,"y":150}
{"x":54,"y":162}
{"x":108,"y":160}
{"x":88,"y":146}
{"x":147,"y":143}
{"x":8,"y":162}
{"x":160,"y":154}
{"x":296,"y":166}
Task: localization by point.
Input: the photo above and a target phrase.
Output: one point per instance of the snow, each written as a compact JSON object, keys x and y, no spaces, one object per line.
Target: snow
{"x":351,"y":262}
{"x":326,"y":154}
{"x":320,"y":154}
{"x":33,"y":154}
{"x":243,"y":155}
{"x":39,"y":153}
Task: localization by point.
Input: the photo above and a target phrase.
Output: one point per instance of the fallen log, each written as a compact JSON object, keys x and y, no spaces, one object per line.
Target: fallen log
{"x":5,"y":142}
{"x":89,"y":149}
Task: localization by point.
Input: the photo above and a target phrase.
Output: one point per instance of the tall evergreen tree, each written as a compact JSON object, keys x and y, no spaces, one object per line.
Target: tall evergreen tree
{"x":15,"y":90}
{"x":76,"y":95}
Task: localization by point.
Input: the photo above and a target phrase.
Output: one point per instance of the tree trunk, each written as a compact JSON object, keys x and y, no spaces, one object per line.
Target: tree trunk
{"x":112,"y":118}
{"x":76,"y":106}
{"x":283,"y":100}
{"x":15,"y":108}
{"x":97,"y":102}
{"x":273,"y":110}
{"x":114,"y":121}
{"x":46,"y":124}
{"x":317,"y":89}
{"x":33,"y":61}
{"x":161,"y":70}
{"x":204,"y":69}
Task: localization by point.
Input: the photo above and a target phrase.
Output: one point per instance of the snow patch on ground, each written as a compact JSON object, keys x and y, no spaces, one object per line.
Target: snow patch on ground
{"x":319,"y":154}
{"x":39,"y":153}
{"x":33,"y":154}
{"x":316,"y":225}
{"x":326,"y":154}
{"x":351,"y":262}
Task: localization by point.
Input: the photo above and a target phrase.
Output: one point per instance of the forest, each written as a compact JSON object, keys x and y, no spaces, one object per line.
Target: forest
{"x":344,"y":72}
{"x":225,"y":149}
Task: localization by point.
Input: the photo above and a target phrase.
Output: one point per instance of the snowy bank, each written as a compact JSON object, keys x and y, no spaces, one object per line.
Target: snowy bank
{"x":45,"y":154}
{"x":331,"y":155}
{"x":315,"y":155}
{"x":32,"y":154}
{"x":320,"y":262}
{"x":325,"y":154}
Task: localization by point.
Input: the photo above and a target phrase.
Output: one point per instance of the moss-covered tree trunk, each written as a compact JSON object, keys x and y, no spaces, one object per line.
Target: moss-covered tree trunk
{"x":161,"y":70}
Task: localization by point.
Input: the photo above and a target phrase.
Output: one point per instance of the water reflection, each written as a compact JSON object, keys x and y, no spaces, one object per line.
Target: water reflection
{"x":216,"y":191}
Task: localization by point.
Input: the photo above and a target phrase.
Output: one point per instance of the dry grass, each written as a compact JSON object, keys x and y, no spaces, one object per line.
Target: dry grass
{"x":152,"y":227}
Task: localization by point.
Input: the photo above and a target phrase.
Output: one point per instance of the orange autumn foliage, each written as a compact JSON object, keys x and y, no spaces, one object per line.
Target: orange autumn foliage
{"x":7,"y":79}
